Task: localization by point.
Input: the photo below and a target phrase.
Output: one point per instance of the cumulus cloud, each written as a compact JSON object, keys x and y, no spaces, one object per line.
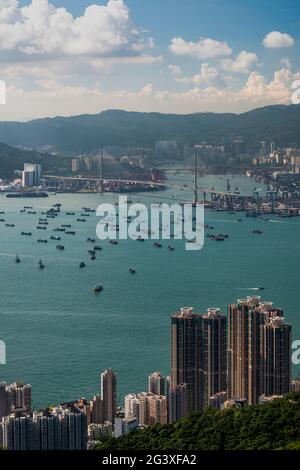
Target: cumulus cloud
{"x":241,"y":64}
{"x":208,"y":74}
{"x":275,"y":39}
{"x":40,"y":29}
{"x":175,"y":70}
{"x":67,"y":99}
{"x":205,"y":48}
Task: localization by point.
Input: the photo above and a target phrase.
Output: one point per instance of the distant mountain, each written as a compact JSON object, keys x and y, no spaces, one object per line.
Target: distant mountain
{"x":279,"y":124}
{"x":12,"y":159}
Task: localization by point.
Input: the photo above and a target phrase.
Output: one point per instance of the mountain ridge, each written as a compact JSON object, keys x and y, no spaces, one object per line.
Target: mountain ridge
{"x":85,"y":132}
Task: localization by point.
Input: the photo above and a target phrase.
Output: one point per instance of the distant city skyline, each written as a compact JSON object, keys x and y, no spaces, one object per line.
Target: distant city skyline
{"x":63,"y":58}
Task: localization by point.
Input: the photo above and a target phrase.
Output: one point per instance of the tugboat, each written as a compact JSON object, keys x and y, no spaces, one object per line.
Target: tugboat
{"x":41,"y":264}
{"x":97,"y":289}
{"x":17,"y":259}
{"x":82,"y":265}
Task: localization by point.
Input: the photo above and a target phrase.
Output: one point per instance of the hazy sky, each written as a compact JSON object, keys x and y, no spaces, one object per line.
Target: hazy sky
{"x":65,"y":57}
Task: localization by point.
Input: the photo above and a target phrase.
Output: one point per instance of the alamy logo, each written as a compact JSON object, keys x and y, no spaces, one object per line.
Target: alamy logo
{"x":2,"y":353}
{"x":2,"y":92}
{"x":162,"y":222}
{"x":296,"y":93}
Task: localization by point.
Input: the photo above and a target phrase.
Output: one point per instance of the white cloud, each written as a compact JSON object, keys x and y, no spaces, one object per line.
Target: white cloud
{"x":241,"y":64}
{"x":42,"y":30}
{"x":275,"y":39}
{"x":175,"y":70}
{"x":208,"y":74}
{"x":65,"y":99}
{"x":205,"y":48}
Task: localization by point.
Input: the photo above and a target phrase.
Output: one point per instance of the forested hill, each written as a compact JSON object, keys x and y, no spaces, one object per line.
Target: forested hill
{"x":12,"y":159}
{"x":275,"y":425}
{"x":279,"y":124}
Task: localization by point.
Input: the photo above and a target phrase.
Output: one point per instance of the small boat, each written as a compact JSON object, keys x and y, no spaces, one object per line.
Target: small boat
{"x":113,"y":242}
{"x":82,"y":265}
{"x":42,"y":241}
{"x":257,"y":232}
{"x":41,"y":228}
{"x":91,"y":252}
{"x":66,"y":225}
{"x":171,"y":248}
{"x":9,"y":225}
{"x":97,"y":248}
{"x":70,"y":213}
{"x":85,"y":215}
{"x":93,"y":257}
{"x":31,"y":212}
{"x":81,"y":220}
{"x":60,"y":247}
{"x":41,"y":264}
{"x":70,"y":232}
{"x":261,"y":288}
{"x":157,"y":245}
{"x":28,"y":234}
{"x":59,"y":230}
{"x":2,"y":220}
{"x":17,"y":259}
{"x":55,"y":238}
{"x":97,"y":289}
{"x":132,"y":271}
{"x":90,"y":240}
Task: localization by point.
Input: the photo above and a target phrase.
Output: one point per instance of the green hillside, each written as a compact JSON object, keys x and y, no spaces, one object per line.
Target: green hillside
{"x":12,"y":159}
{"x":275,"y":425}
{"x":279,"y":124}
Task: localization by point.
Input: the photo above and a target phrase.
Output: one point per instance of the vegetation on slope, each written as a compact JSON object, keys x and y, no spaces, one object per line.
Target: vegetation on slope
{"x":12,"y":159}
{"x":275,"y":425}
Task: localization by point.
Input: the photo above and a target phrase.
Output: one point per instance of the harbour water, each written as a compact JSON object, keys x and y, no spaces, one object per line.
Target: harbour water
{"x":60,"y":335}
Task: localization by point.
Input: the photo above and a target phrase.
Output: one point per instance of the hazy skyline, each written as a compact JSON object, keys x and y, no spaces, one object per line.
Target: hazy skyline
{"x":73,"y":57}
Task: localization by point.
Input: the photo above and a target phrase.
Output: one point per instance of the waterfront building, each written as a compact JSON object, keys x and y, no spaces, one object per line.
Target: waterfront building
{"x":295,"y":385}
{"x":267,"y":399}
{"x":198,"y":355}
{"x":214,"y":353}
{"x":3,"y":400}
{"x":147,"y":408}
{"x":251,"y":328}
{"x":96,"y":410}
{"x":97,"y":431}
{"x":109,"y":394}
{"x":167,"y":150}
{"x":157,"y":384}
{"x":31,"y":175}
{"x":217,"y":400}
{"x":76,"y":165}
{"x":177,"y":402}
{"x":56,"y":430}
{"x":276,"y":361}
{"x":15,"y":396}
{"x":124,"y":426}
{"x":131,"y":406}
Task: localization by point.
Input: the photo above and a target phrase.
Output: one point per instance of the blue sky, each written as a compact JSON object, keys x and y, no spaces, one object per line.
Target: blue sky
{"x":147,"y":55}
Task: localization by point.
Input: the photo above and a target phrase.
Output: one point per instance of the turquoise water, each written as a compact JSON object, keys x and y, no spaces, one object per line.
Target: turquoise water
{"x":59,"y":335}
